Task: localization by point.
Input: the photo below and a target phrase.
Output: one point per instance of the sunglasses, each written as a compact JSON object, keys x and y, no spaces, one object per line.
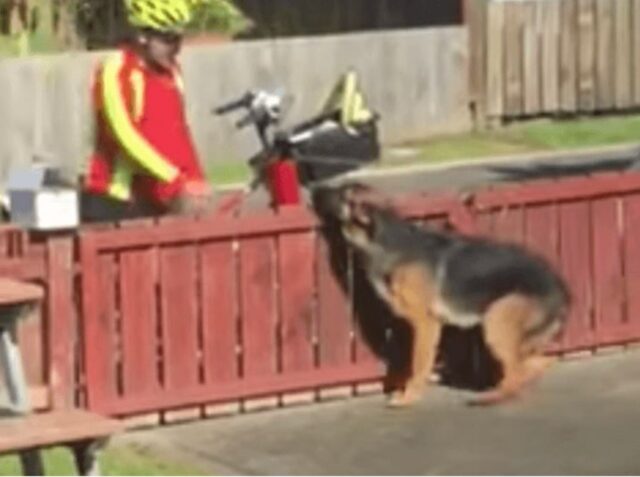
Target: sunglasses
{"x":165,"y":36}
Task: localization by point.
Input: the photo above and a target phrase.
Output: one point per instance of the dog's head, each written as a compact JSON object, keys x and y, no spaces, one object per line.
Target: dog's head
{"x":338,"y":203}
{"x":354,"y":207}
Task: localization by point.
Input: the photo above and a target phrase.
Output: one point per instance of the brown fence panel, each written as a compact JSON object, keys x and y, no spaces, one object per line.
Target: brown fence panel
{"x":138,"y":312}
{"x":335,"y":329}
{"x":575,"y":255}
{"x":631,"y":264}
{"x":568,"y":58}
{"x":219,"y":295}
{"x":297,"y":335}
{"x":547,"y":57}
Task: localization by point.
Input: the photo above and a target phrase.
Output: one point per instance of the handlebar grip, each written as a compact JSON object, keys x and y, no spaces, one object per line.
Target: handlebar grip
{"x":244,"y":122}
{"x":233,"y":105}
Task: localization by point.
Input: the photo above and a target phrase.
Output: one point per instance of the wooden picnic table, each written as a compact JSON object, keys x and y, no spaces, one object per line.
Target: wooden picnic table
{"x":21,"y":430}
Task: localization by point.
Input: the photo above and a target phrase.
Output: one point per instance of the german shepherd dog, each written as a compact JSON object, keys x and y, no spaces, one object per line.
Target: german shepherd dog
{"x":431,"y":278}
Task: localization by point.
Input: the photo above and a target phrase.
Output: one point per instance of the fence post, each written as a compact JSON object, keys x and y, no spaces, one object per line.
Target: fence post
{"x":462,"y":215}
{"x":61,"y":324}
{"x":475,"y":17}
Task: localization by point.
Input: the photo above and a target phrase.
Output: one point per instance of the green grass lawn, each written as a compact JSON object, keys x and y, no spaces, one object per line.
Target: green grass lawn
{"x":116,"y":460}
{"x":534,"y":136}
{"x":229,"y":172}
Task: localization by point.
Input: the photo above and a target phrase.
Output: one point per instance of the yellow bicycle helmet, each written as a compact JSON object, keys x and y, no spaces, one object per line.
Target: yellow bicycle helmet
{"x":161,"y":15}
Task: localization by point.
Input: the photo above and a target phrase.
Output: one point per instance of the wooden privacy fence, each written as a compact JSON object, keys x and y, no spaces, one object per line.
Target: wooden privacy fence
{"x":538,"y":57}
{"x":187,"y":313}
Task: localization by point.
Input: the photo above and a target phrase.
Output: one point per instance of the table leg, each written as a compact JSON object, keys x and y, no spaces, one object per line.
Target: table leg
{"x":86,"y":455}
{"x":11,"y":362}
{"x":32,"y":462}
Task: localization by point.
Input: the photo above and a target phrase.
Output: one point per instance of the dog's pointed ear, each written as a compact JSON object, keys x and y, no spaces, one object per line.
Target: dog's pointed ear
{"x":354,"y":191}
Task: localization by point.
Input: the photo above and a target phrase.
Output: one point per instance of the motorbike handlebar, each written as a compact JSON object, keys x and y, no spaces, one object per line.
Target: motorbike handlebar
{"x":243,"y":102}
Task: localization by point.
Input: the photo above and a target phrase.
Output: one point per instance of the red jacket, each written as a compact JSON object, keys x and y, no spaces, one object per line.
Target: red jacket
{"x":143,"y":144}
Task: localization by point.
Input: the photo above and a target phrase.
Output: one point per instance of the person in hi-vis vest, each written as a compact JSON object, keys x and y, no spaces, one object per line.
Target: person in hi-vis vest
{"x":144,"y":161}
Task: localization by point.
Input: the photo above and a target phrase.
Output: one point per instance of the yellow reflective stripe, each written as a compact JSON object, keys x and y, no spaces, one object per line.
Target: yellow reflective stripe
{"x":135,"y":145}
{"x":137,"y":86}
{"x":177,"y":77}
{"x":353,"y":107}
{"x":120,"y":187}
{"x":347,"y":99}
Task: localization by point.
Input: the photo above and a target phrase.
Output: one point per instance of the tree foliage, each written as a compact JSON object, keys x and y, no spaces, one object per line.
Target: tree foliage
{"x":218,"y":15}
{"x":50,"y":25}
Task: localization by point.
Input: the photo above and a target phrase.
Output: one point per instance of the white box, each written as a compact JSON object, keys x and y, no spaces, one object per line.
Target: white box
{"x":37,"y":202}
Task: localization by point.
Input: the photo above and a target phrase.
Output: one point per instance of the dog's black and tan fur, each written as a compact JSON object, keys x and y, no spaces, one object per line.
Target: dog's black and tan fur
{"x":433,"y":278}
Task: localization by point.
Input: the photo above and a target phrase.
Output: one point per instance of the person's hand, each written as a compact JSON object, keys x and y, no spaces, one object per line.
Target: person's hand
{"x":197,"y":189}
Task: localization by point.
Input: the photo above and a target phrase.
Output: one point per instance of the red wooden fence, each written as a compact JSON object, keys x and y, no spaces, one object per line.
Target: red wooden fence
{"x":185,"y":312}
{"x":588,"y":228}
{"x":188,"y":313}
{"x":49,"y":338}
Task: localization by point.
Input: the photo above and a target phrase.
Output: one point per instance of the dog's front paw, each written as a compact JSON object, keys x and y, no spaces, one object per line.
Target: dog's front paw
{"x":498,"y":395}
{"x":406,"y":398}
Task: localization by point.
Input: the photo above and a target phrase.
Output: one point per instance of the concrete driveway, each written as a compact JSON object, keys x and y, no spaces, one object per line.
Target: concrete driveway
{"x":583,"y":418}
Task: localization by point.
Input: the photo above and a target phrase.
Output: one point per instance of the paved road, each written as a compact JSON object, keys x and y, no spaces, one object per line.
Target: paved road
{"x":471,"y":175}
{"x":583,"y":418}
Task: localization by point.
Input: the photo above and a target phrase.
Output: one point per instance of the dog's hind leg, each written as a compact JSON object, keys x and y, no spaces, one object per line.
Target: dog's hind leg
{"x":535,"y":361}
{"x":504,"y":331}
{"x":543,"y":324}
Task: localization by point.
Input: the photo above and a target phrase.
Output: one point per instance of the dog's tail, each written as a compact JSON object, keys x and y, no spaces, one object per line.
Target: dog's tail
{"x":554,"y":310}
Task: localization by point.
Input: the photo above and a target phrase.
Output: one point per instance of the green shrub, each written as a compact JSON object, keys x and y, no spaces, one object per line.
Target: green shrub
{"x":218,"y":16}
